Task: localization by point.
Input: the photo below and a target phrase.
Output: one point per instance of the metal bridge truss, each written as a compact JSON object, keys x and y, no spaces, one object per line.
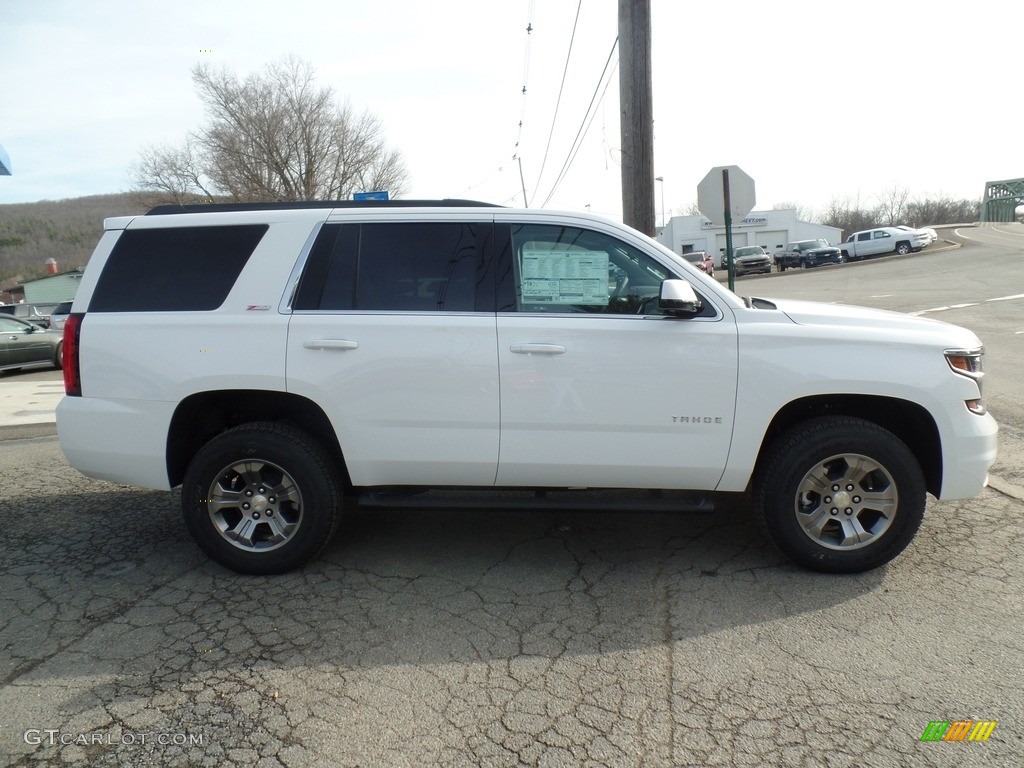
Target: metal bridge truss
{"x":1001,"y":200}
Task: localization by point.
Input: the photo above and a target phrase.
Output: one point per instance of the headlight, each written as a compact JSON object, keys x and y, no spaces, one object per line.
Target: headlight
{"x":966,"y":362}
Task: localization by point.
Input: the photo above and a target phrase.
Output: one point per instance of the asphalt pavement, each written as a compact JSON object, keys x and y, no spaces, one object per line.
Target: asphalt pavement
{"x":459,"y":638}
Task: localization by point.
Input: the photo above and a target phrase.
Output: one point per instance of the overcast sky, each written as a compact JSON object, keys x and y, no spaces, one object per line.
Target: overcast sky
{"x":815,"y":100}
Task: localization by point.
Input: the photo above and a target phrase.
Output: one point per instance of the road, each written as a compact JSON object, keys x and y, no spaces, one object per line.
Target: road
{"x":509,"y":639}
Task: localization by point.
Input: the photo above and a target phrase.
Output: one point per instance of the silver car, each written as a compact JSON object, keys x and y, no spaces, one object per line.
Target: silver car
{"x":59,"y":315}
{"x":751,"y":259}
{"x":27,"y":345}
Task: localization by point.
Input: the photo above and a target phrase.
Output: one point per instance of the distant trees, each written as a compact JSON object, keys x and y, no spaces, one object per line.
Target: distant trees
{"x":65,"y":230}
{"x":894,"y":208}
{"x":275,"y":135}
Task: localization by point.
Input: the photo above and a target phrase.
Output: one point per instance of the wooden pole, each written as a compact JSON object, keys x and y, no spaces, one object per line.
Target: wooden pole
{"x":637,"y":118}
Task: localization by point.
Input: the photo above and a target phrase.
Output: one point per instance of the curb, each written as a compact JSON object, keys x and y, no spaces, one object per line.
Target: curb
{"x":1005,"y":488}
{"x":28,"y":431}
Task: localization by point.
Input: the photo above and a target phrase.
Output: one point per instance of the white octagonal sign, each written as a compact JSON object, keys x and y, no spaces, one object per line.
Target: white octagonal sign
{"x":711,"y":194}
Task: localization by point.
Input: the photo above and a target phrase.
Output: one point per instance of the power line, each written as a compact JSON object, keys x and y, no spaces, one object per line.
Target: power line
{"x":588,"y":119}
{"x":558,"y":101}
{"x":526,"y":76}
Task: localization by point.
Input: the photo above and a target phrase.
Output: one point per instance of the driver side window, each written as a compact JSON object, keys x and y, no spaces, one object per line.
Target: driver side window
{"x":568,"y":269}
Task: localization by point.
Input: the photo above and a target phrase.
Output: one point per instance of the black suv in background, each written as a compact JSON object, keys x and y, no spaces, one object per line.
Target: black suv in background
{"x":808,"y":253}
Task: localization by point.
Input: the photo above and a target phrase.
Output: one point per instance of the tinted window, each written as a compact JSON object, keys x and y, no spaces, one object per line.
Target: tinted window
{"x":175,"y":269}
{"x":567,"y":269}
{"x":411,"y":267}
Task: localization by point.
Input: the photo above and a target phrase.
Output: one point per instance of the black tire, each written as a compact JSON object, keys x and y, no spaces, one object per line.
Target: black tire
{"x":58,"y":356}
{"x":880,"y":497}
{"x":903,"y":248}
{"x":288,"y":491}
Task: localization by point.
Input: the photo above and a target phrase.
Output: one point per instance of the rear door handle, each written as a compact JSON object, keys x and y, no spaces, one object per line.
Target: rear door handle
{"x":539,"y":349}
{"x":331,"y":344}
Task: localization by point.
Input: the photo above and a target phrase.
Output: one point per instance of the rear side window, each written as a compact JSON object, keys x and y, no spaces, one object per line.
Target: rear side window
{"x":176,"y":269}
{"x":404,"y":267}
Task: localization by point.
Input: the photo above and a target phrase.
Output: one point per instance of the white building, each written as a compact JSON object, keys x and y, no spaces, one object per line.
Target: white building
{"x":769,"y":229}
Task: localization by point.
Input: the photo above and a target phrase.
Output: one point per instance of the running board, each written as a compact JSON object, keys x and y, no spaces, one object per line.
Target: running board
{"x":614,"y":499}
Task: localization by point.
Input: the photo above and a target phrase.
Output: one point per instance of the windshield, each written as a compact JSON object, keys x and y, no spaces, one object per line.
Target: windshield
{"x":749,"y":250}
{"x":806,"y":245}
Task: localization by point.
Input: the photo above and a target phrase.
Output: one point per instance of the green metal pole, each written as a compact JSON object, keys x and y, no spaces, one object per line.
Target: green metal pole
{"x":728,"y":230}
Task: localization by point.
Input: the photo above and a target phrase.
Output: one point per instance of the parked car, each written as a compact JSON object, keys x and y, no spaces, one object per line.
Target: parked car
{"x":807,"y":253}
{"x":27,"y":345}
{"x":701,"y":260}
{"x":59,"y":315}
{"x":882,"y":240}
{"x":751,"y":259}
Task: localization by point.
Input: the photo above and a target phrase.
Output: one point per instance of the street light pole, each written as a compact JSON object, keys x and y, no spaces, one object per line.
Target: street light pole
{"x":662,"y":180}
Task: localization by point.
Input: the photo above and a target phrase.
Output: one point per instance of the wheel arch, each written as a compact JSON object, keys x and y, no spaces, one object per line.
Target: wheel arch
{"x":909,"y":421}
{"x":203,"y":415}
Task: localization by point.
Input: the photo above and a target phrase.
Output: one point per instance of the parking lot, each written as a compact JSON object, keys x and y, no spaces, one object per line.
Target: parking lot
{"x":466,"y":638}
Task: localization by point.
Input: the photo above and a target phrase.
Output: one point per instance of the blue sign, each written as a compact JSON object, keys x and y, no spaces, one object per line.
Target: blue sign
{"x":382,"y":195}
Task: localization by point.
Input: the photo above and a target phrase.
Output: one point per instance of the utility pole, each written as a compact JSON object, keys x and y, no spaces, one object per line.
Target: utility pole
{"x":637,"y":119}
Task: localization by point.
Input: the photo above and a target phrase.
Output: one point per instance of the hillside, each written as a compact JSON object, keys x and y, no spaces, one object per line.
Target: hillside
{"x":65,"y":230}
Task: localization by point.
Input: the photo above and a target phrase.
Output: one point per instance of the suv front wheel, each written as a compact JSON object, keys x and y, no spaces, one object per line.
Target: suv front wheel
{"x":262,"y":498}
{"x":840,"y":494}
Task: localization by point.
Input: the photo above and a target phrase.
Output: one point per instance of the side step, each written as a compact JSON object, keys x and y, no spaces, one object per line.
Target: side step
{"x":608,"y":499}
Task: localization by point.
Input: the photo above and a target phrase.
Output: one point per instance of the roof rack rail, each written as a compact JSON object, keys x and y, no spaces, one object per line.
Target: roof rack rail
{"x":170,"y":208}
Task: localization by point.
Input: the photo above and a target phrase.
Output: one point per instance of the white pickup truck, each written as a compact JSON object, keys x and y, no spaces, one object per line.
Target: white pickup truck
{"x":876,"y":242}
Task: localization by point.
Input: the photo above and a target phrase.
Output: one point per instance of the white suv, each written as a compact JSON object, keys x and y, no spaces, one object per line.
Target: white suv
{"x":280,"y":362}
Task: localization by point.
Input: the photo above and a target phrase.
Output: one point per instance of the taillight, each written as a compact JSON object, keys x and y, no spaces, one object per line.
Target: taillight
{"x":72,"y":368}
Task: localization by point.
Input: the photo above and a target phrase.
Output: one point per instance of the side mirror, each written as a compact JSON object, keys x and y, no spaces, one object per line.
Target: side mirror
{"x":678,"y":298}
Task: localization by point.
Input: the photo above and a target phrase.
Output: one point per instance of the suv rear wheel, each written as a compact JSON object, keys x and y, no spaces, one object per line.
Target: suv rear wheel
{"x":262,"y":498}
{"x":840,"y":495}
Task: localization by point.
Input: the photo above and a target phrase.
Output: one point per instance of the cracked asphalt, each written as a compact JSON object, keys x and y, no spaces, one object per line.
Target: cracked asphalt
{"x":494,"y":638}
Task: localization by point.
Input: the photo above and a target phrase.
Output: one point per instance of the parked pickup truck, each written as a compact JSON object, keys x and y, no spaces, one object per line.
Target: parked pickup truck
{"x":875,"y":242}
{"x":807,"y":253}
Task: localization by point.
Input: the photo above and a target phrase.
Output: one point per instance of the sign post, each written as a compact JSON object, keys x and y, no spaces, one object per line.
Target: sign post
{"x":726,"y":193}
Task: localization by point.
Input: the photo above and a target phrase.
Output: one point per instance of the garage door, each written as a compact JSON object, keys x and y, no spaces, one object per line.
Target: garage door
{"x":771,"y":241}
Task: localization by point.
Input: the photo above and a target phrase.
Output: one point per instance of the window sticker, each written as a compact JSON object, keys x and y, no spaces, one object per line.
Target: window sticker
{"x":565,"y":277}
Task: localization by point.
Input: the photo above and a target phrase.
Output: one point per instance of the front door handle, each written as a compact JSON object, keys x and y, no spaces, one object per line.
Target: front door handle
{"x":331,"y":344}
{"x":538,"y":349}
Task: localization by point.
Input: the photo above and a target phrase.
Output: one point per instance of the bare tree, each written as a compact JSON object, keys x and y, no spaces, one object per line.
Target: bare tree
{"x":802,"y":214}
{"x":171,"y":174}
{"x":688,"y":210}
{"x":892,"y":205}
{"x":847,"y":215}
{"x":274,"y":136}
{"x":942,"y":210}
